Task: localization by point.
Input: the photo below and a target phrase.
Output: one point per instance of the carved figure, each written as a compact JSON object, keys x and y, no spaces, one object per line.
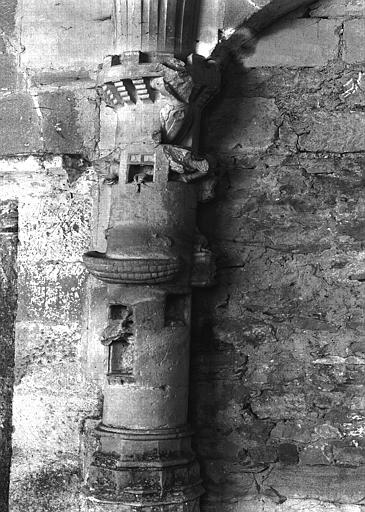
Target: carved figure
{"x":206,"y":84}
{"x":183,"y":163}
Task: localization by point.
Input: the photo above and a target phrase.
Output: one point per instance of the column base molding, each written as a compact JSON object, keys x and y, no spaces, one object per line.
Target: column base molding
{"x":91,"y":504}
{"x":142,"y":471}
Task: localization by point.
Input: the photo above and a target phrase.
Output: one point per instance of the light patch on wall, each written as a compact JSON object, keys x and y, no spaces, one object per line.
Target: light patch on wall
{"x":250,"y":2}
{"x":352,"y":86}
{"x":227,"y":32}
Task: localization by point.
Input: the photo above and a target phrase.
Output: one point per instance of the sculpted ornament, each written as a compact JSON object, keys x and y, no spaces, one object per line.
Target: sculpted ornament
{"x":155,"y":176}
{"x":185,"y":91}
{"x":168,"y":97}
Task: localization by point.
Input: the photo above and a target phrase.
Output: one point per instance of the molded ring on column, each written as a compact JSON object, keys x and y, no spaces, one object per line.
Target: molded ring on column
{"x":132,"y":270}
{"x":139,"y":435}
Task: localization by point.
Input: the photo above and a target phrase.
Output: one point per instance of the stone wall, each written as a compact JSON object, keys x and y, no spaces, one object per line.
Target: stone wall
{"x":53,"y":394}
{"x":49,"y":107}
{"x":278,"y":347}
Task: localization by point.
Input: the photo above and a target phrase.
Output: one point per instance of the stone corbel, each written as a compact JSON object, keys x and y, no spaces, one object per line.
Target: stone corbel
{"x":154,"y":256}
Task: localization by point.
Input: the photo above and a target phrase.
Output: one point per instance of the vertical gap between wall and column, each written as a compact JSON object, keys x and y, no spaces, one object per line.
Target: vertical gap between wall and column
{"x":8,"y":305}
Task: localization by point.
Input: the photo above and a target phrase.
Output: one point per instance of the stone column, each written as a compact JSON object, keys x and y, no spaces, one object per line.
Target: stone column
{"x":154,"y":255}
{"x":8,"y":303}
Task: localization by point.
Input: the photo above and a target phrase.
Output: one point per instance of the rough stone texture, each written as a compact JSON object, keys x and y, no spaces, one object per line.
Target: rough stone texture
{"x":9,"y":50}
{"x":323,"y":129}
{"x":268,"y":504}
{"x":8,"y":294}
{"x":278,"y":352}
{"x":59,"y":122}
{"x":354,"y":41}
{"x":52,"y":395}
{"x":339,"y":485}
{"x":337,"y":8}
{"x":297,"y":43}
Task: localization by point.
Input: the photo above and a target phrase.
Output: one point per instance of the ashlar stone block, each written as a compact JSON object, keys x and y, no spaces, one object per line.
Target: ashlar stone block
{"x":338,"y":8}
{"x":74,"y":34}
{"x":296,"y":43}
{"x":334,"y":132}
{"x":243,"y":125}
{"x":23,"y":129}
{"x":354,"y":41}
{"x":327,"y":483}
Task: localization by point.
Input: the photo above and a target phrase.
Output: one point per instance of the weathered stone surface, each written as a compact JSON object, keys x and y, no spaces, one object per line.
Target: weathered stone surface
{"x":292,"y":431}
{"x":333,"y":484}
{"x":8,"y":296}
{"x":323,"y":130}
{"x":277,"y":406}
{"x":52,"y":487}
{"x":42,"y":344}
{"x":57,"y":228}
{"x":47,"y":196}
{"x":317,"y":506}
{"x":48,"y":402}
{"x":317,"y":454}
{"x":346,"y":455}
{"x":69,"y":121}
{"x":8,"y":9}
{"x":108,"y":125}
{"x":266,"y":504}
{"x":88,"y":121}
{"x":51,"y":291}
{"x":52,"y":395}
{"x":8,"y":75}
{"x":23,"y":133}
{"x":284,"y":389}
{"x":243,"y":125}
{"x":59,"y":122}
{"x":76,"y":35}
{"x":354,"y":41}
{"x":295,"y":43}
{"x":337,"y":8}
